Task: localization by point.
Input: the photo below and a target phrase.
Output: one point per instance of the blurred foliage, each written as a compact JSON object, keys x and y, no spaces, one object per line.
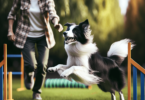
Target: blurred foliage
{"x":104,"y":17}
{"x":135,"y":28}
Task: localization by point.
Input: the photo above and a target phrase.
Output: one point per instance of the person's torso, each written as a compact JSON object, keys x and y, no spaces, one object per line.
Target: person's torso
{"x":37,"y":24}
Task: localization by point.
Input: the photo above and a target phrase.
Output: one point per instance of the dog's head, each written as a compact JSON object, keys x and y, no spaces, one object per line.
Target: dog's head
{"x":77,"y":33}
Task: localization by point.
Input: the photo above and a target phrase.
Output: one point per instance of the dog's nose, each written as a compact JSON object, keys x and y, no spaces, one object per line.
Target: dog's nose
{"x":64,"y":33}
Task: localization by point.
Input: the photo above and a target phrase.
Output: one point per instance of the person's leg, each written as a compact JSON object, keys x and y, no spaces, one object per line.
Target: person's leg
{"x":29,"y":62}
{"x":43,"y":55}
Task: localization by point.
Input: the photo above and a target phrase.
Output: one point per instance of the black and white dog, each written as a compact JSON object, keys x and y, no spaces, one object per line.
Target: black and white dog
{"x":86,"y":65}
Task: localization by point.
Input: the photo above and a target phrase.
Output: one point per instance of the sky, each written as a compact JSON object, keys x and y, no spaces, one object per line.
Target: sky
{"x":123,"y":5}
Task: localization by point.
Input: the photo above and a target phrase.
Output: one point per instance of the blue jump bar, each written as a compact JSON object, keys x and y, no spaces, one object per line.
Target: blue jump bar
{"x":142,"y":85}
{"x":1,"y":83}
{"x":134,"y":83}
{"x":15,"y":73}
{"x":14,"y":56}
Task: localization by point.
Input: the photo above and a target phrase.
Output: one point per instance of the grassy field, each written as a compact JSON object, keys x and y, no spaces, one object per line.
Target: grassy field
{"x":68,"y":93}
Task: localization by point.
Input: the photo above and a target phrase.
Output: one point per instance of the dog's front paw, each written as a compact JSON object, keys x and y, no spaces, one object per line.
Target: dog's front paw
{"x":65,"y":74}
{"x":52,"y":69}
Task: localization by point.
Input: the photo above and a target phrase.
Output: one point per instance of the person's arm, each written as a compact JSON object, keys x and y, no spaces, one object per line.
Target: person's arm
{"x":11,"y":35}
{"x":53,"y":17}
{"x":11,"y":17}
{"x":57,"y":25}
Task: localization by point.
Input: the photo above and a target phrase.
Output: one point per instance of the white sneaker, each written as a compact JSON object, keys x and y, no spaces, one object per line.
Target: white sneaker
{"x":36,"y":96}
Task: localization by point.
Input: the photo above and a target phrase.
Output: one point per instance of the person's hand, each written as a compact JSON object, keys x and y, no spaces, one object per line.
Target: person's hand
{"x":11,"y":36}
{"x":59,"y":27}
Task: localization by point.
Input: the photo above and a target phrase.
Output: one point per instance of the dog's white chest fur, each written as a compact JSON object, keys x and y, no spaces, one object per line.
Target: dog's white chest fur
{"x":78,"y":49}
{"x":79,"y":54}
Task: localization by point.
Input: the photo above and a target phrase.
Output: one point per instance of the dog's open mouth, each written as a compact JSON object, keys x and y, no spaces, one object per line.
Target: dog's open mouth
{"x":69,"y":40}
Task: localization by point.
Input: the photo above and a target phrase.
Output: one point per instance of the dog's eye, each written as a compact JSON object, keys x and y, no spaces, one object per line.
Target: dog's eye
{"x":68,"y":28}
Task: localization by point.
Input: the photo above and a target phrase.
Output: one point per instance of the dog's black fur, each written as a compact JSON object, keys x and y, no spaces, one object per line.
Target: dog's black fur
{"x":113,"y":77}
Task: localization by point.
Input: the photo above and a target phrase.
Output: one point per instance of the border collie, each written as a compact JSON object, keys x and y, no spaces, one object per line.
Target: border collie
{"x":86,"y":65}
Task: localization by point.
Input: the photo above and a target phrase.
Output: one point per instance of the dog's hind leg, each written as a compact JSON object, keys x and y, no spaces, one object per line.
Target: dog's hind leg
{"x":121,"y":96}
{"x":113,"y":97}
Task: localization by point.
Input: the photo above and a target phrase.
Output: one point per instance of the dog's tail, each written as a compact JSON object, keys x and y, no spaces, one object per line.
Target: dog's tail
{"x":119,"y":50}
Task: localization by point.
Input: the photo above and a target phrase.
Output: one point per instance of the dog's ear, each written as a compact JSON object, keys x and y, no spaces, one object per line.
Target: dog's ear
{"x":69,"y":24}
{"x":84,"y":24}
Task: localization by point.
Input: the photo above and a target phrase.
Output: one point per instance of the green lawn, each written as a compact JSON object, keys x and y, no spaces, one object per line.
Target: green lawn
{"x":68,"y":93}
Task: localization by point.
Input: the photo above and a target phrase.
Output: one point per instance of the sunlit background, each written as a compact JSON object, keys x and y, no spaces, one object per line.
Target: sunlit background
{"x":123,"y":4}
{"x":110,"y":21}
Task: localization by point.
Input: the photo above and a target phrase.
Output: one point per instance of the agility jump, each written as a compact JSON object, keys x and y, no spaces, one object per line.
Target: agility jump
{"x":4,"y":62}
{"x":3,"y":65}
{"x":142,"y":72}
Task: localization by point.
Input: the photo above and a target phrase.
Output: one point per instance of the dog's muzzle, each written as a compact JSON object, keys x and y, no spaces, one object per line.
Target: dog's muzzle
{"x":69,"y":40}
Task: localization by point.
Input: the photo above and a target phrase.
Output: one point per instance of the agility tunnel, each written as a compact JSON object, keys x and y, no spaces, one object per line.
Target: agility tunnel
{"x":142,"y":72}
{"x":64,"y":83}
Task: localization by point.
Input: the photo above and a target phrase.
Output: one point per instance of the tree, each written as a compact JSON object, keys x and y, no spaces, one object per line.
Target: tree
{"x":135,"y":28}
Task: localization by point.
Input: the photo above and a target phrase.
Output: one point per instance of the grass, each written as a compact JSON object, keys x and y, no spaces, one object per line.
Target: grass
{"x":68,"y":93}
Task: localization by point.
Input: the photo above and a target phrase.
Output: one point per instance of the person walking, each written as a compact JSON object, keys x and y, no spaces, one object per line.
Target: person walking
{"x":33,"y":27}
